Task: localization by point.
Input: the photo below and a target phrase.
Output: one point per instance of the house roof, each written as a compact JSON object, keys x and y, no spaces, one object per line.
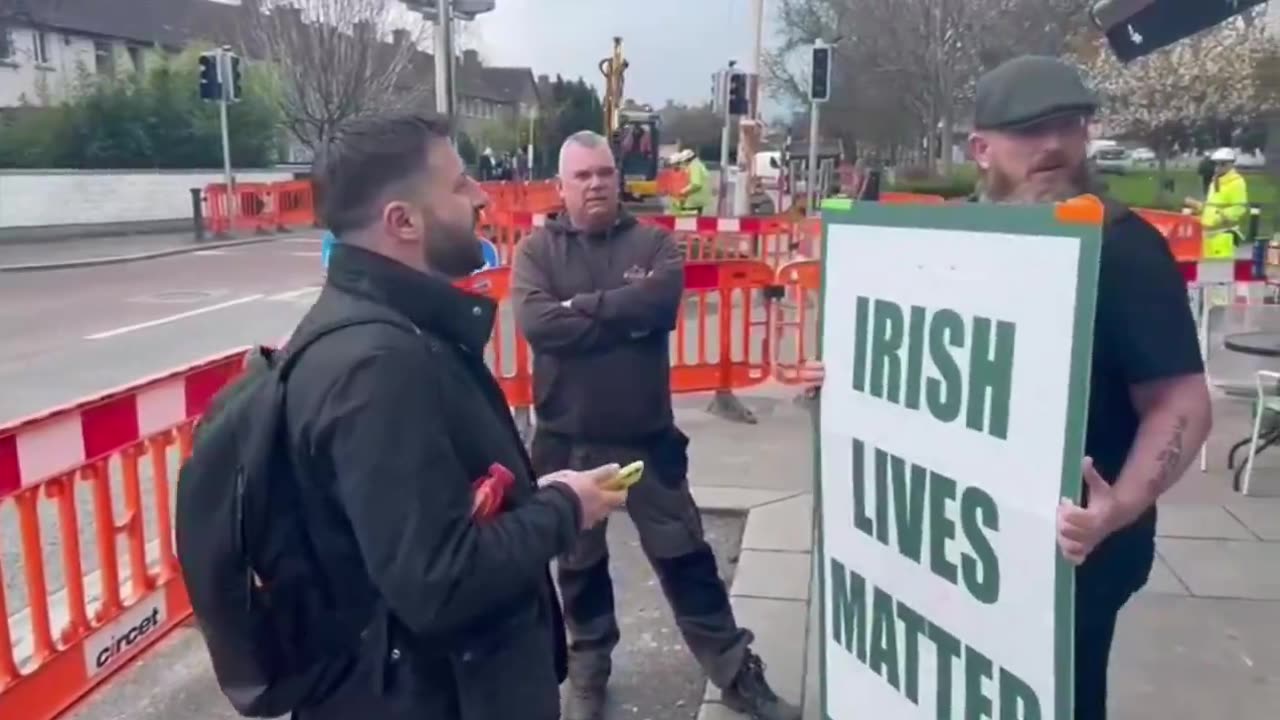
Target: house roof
{"x":514,"y":84}
{"x":178,"y":23}
{"x":159,"y":22}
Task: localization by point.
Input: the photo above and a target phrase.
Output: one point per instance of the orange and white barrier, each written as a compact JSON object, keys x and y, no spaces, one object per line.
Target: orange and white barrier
{"x":120,"y":451}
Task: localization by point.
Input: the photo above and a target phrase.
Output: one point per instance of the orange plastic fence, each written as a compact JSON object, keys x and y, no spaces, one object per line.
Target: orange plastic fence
{"x":90,"y":487}
{"x":1184,"y":233}
{"x":906,"y":198}
{"x":795,"y":319}
{"x":279,"y":206}
{"x":773,"y":240}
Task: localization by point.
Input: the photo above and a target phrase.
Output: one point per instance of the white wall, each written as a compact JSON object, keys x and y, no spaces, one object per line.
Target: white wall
{"x":42,"y":198}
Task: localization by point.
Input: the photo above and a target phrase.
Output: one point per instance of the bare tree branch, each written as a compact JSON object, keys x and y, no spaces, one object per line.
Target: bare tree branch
{"x":338,"y":59}
{"x":904,"y":67}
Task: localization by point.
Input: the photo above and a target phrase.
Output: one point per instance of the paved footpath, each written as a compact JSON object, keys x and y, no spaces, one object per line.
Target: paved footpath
{"x":1202,"y":640}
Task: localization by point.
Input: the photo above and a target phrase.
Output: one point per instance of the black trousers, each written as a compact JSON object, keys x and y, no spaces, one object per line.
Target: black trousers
{"x":670,"y":529}
{"x":1101,"y":592}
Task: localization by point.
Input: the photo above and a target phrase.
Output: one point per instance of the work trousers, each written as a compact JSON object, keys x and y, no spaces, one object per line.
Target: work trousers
{"x":1099,"y":598}
{"x":671,"y":536}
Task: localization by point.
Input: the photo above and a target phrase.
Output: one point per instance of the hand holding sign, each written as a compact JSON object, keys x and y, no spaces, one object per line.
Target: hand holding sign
{"x":1080,"y":530}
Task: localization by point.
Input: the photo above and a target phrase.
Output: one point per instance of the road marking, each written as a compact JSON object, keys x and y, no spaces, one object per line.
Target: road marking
{"x":306,"y":253}
{"x":172,"y":318}
{"x":302,"y":240}
{"x":210,"y":252}
{"x":294,"y":294}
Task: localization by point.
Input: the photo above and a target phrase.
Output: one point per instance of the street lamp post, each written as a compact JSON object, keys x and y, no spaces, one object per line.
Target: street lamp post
{"x":444,"y":14}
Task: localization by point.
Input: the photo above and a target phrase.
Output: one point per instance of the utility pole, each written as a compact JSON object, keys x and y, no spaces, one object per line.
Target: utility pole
{"x":220,"y":83}
{"x":727,"y":119}
{"x":819,"y":92}
{"x":444,"y":57}
{"x":226,"y":81}
{"x":533,"y":119}
{"x":736,"y":102}
{"x":751,"y":131}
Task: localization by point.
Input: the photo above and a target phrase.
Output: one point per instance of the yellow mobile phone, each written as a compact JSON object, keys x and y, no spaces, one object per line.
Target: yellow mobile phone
{"x":627,"y":476}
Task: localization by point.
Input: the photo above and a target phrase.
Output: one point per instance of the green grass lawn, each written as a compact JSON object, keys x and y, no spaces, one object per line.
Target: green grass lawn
{"x":1142,"y":189}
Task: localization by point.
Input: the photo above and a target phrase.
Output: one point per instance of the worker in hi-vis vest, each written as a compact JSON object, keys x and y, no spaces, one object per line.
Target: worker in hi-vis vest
{"x":694,"y":198}
{"x":1225,"y":211}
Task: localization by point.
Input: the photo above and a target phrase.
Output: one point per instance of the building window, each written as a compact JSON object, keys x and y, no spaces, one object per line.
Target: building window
{"x":137,"y":59}
{"x":41,"y":47}
{"x":6,"y":43}
{"x":104,"y":58}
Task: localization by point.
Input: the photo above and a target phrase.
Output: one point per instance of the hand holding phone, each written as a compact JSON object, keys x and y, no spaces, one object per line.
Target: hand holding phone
{"x":626,"y":477}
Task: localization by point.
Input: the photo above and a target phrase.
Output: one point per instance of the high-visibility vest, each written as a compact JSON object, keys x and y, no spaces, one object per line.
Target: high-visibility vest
{"x":1226,"y":209}
{"x":699,"y":197}
{"x":836,"y":203}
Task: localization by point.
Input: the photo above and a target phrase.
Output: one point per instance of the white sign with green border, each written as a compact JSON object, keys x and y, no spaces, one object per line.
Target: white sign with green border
{"x":957,"y":343}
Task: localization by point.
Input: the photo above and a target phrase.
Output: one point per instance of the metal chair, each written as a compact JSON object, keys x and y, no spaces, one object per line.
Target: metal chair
{"x":1266,"y":422}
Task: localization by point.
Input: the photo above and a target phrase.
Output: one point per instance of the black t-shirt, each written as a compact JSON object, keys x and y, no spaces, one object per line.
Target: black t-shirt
{"x":1144,"y":331}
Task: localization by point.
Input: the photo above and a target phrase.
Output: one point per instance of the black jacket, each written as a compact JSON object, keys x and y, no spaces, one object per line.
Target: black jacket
{"x":391,"y":428}
{"x":601,"y":365}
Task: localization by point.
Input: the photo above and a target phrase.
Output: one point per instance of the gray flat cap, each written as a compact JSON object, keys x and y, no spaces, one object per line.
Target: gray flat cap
{"x":1027,"y":90}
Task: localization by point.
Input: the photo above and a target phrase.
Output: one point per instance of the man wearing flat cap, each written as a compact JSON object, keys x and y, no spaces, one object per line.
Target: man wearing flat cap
{"x":1149,"y":409}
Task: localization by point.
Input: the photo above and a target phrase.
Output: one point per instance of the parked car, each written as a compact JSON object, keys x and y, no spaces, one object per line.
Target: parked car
{"x":1113,"y":160}
{"x":1250,"y":161}
{"x":1143,"y":155}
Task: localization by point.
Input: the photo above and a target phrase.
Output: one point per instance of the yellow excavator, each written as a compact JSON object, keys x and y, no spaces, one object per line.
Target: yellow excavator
{"x":633,"y":132}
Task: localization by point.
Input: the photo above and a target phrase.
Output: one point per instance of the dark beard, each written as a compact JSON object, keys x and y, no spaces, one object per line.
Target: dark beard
{"x":454,"y":252}
{"x":998,"y":186}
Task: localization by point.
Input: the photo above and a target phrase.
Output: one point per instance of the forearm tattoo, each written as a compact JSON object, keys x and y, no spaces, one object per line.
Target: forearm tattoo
{"x":1169,"y":460}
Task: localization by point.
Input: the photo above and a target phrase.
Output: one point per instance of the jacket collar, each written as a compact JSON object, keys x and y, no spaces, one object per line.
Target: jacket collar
{"x":559,"y":223}
{"x":1230,"y":177}
{"x":430,"y":302}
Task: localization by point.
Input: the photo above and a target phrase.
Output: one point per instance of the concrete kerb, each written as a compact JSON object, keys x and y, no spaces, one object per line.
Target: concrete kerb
{"x":152,"y":255}
{"x":771,"y":587}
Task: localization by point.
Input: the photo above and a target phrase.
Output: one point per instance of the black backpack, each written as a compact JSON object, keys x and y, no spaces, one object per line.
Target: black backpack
{"x":250,"y":570}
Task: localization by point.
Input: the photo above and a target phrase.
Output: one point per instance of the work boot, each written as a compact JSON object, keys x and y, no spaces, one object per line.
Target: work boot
{"x":584,"y":702}
{"x":751,"y":695}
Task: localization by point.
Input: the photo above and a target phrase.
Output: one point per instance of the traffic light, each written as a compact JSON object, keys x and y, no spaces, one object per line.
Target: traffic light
{"x":233,"y":90}
{"x":1136,"y":28}
{"x":739,"y":103}
{"x":820,"y":74}
{"x":210,"y":88}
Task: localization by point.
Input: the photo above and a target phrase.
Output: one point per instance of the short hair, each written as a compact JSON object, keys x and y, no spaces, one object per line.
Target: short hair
{"x":364,"y":159}
{"x":582,"y":138}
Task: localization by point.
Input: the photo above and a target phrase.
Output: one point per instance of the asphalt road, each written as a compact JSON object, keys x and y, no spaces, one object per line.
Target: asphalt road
{"x":654,"y":677}
{"x":70,"y":334}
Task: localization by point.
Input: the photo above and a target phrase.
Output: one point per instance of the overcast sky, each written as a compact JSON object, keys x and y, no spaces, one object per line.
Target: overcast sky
{"x":673,"y":46}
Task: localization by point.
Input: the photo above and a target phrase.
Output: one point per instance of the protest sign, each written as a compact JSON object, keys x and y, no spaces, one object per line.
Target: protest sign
{"x":957,"y":344}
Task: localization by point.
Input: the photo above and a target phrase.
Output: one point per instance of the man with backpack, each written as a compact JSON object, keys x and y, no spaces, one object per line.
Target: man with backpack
{"x":359,"y":525}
